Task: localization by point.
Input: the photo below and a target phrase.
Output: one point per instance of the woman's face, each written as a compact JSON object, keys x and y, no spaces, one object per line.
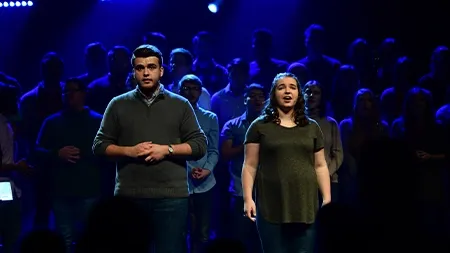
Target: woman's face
{"x":286,"y":93}
{"x":313,"y":96}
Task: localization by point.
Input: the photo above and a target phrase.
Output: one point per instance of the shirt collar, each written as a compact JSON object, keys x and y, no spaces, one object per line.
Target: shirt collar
{"x":159,"y":92}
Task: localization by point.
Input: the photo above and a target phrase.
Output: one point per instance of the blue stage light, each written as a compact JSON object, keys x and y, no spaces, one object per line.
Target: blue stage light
{"x":16,"y":4}
{"x":212,"y":8}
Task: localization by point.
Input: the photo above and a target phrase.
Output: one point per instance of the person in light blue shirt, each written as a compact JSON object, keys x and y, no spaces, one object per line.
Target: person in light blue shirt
{"x":201,"y":177}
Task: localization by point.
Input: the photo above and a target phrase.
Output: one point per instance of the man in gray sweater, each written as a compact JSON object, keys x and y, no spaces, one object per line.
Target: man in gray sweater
{"x":152,"y":132}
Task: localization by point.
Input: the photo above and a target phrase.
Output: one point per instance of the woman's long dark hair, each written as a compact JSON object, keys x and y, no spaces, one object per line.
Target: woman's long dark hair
{"x":271,"y":113}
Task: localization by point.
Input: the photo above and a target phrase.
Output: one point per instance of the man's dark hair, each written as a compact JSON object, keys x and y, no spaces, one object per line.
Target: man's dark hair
{"x":117,"y":50}
{"x":254,"y":86}
{"x":81,"y":85}
{"x":190,"y":79}
{"x":51,"y":60}
{"x":204,"y":36}
{"x":154,"y":38}
{"x":239,"y":63}
{"x":262,"y":34}
{"x":185,"y":53}
{"x":441,"y":53}
{"x":145,"y":51}
{"x":95,"y":50}
{"x":316,"y":31}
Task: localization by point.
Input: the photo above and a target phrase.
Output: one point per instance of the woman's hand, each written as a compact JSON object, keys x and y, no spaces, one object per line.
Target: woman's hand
{"x":250,"y":209}
{"x":325,"y":202}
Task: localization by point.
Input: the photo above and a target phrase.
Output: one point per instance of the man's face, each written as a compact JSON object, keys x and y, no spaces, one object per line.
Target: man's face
{"x":255,"y":100}
{"x":179,"y":66}
{"x":147,"y":72}
{"x":191,"y":91}
{"x":72,"y":95}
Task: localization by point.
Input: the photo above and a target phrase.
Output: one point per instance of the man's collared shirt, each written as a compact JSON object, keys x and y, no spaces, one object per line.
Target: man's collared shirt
{"x":209,"y":123}
{"x":226,"y":105}
{"x":149,"y":100}
{"x":235,"y":130}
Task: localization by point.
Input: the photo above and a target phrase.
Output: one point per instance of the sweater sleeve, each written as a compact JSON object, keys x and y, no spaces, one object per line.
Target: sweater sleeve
{"x":192,"y":134}
{"x":108,"y":131}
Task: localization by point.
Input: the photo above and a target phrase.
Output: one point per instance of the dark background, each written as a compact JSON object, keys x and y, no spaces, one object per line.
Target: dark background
{"x":67,"y":26}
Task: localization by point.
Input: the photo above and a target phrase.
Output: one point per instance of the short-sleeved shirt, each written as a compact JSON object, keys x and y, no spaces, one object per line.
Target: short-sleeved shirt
{"x":286,"y":181}
{"x":235,"y":130}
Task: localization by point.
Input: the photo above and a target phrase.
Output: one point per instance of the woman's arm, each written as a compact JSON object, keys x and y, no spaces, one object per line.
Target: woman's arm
{"x":337,"y":153}
{"x":251,"y":161}
{"x":323,"y":177}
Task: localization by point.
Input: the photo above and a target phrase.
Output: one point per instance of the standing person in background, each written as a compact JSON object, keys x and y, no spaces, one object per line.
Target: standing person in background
{"x":233,"y":137}
{"x":65,"y":141}
{"x":284,"y":152}
{"x":200,"y":173}
{"x":316,"y":108}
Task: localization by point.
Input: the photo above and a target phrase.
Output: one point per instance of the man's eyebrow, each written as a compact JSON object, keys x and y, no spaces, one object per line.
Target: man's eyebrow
{"x":150,"y":64}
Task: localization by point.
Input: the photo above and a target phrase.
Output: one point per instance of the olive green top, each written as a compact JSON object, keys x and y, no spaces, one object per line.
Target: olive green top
{"x":286,"y":181}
